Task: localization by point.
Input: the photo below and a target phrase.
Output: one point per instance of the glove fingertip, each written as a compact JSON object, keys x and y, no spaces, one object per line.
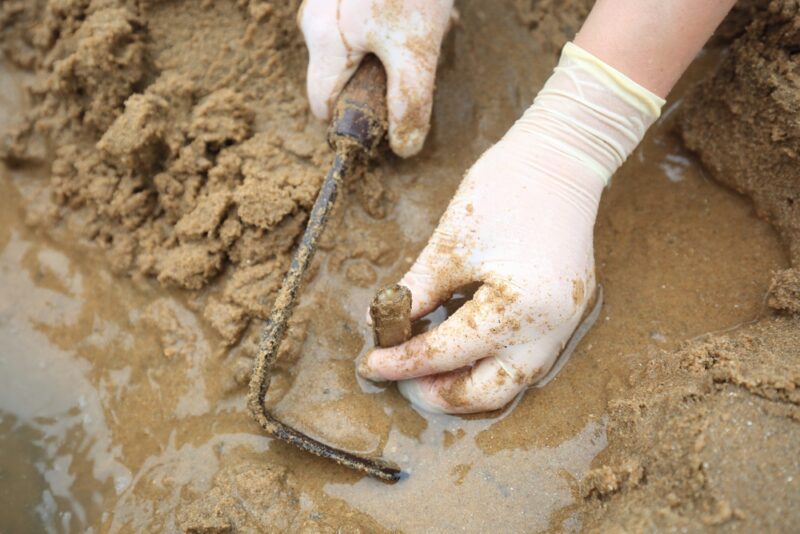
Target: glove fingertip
{"x":319,"y":107}
{"x":366,"y":370}
{"x":407,"y":142}
{"x":409,"y":91}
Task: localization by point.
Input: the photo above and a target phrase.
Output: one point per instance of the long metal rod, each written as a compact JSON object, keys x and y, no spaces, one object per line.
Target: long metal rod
{"x":276,"y":330}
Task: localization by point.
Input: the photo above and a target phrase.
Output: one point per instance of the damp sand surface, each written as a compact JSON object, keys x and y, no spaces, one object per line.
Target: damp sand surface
{"x":119,"y":410}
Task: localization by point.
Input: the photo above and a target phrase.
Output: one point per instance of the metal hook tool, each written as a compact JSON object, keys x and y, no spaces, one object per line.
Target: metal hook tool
{"x":357,"y":127}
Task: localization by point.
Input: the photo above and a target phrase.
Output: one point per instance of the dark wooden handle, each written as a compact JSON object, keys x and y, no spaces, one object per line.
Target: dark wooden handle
{"x":367,"y":87}
{"x":360,"y":113}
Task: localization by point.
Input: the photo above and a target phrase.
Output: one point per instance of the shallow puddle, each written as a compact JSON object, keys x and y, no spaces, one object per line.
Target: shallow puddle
{"x":116,"y":404}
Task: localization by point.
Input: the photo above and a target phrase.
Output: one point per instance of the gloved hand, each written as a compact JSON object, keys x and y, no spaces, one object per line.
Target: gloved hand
{"x":405,"y":34}
{"x":521,"y":223}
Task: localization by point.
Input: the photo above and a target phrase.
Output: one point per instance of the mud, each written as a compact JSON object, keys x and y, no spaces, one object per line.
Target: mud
{"x":164,"y":166}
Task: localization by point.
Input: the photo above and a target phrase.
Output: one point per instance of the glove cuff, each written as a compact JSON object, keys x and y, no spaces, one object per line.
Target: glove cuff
{"x":588,"y":115}
{"x":648,"y":103}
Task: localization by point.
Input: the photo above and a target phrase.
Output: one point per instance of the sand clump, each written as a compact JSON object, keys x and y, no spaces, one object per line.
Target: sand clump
{"x":250,"y":496}
{"x":683,"y":445}
{"x":784,"y":293}
{"x":743,"y":121}
{"x":163,"y":156}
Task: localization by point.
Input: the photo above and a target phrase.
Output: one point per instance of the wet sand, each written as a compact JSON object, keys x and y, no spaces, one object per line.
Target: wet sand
{"x":119,"y":408}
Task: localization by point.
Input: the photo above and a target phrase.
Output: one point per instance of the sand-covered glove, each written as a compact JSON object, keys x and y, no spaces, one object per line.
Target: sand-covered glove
{"x":521,"y":223}
{"x":405,"y":34}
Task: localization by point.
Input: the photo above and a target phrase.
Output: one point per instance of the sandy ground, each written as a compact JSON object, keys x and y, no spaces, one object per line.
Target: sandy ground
{"x":161,"y":163}
{"x":708,"y":435}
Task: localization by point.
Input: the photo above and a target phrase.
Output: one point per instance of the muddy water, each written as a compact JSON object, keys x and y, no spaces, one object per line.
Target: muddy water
{"x":116,"y":403}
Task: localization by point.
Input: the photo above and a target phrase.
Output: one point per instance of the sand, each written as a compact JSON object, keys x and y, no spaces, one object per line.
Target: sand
{"x":157,"y":155}
{"x":162,"y":167}
{"x":708,"y":437}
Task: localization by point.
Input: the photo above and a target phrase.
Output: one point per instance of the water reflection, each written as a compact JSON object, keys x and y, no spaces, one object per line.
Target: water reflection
{"x":469,"y":488}
{"x":60,"y":451}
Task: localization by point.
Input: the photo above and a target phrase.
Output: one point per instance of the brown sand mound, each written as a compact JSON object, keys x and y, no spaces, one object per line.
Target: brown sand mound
{"x":744,"y":122}
{"x":709,"y":436}
{"x":156,"y":153}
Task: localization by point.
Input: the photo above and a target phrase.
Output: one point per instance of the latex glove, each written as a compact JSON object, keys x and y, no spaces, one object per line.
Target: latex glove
{"x":521,"y":223}
{"x":405,"y":34}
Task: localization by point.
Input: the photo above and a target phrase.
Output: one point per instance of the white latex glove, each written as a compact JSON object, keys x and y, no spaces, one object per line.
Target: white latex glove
{"x":405,"y":34}
{"x":522,"y":224}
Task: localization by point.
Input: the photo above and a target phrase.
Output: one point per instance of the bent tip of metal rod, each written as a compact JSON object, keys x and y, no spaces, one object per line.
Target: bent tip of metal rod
{"x":389,"y":473}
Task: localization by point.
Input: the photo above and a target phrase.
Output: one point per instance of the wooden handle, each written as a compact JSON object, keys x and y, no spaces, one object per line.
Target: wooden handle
{"x":367,"y":87}
{"x":360,"y":114}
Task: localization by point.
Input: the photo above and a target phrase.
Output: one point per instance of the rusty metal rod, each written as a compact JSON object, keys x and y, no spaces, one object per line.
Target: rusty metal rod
{"x":359,"y":124}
